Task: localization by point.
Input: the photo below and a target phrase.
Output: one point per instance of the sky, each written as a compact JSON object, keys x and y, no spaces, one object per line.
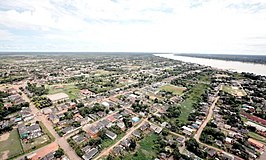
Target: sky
{"x":171,"y":26}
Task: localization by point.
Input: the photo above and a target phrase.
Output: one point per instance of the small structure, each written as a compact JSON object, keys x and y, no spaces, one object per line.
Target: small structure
{"x":89,"y":155}
{"x":135,"y":119}
{"x":256,"y":144}
{"x":110,"y":134}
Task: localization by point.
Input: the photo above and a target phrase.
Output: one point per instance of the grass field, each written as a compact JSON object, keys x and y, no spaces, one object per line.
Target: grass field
{"x":174,"y":89}
{"x":257,"y":137}
{"x":12,"y":144}
{"x":70,"y":89}
{"x":187,"y":104}
{"x":145,"y":150}
{"x":234,"y":91}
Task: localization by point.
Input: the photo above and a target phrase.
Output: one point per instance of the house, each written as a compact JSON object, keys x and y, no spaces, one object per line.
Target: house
{"x":117,"y":150}
{"x":90,"y":154}
{"x":85,"y":92}
{"x":47,"y":110}
{"x":85,"y":120}
{"x":144,"y":126}
{"x":228,"y":140}
{"x":256,"y":144}
{"x":137,"y":134}
{"x":110,"y":134}
{"x":121,"y":125}
{"x":125,"y":143}
{"x":29,"y":132}
{"x":211,"y":152}
{"x":93,"y":131}
{"x":111,"y":119}
{"x":53,"y":118}
{"x":58,"y":97}
{"x":67,"y":130}
{"x":78,"y":138}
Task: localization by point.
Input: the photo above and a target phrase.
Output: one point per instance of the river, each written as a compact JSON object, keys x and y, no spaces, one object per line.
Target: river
{"x":258,"y":69}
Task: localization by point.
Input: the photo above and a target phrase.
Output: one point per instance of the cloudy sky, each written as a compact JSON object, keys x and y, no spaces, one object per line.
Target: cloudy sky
{"x":187,"y":26}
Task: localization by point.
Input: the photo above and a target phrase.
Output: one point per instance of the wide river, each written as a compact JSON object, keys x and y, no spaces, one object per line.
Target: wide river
{"x":258,"y":69}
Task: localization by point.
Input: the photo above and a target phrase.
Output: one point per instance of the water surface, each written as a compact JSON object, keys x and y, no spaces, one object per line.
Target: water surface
{"x":258,"y":69}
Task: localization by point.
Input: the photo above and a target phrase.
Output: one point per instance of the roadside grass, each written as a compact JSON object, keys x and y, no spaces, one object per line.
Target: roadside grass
{"x":187,"y":105}
{"x":70,"y":89}
{"x":233,"y":91}
{"x":146,"y":149}
{"x":257,"y":137}
{"x":12,"y":144}
{"x":174,"y":89}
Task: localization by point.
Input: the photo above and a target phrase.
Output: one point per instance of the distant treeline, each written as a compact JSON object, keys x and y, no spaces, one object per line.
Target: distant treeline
{"x":261,"y":59}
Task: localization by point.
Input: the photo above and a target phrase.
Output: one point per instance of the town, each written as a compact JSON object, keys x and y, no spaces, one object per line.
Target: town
{"x":129,"y":106}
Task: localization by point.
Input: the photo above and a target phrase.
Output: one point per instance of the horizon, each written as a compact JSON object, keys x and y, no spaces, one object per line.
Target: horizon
{"x":81,"y":52}
{"x":196,"y":26}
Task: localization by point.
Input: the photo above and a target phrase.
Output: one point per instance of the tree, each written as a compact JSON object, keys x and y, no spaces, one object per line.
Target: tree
{"x":59,"y":153}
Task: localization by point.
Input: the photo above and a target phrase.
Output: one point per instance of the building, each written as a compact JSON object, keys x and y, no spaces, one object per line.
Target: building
{"x":29,"y":132}
{"x":110,"y":134}
{"x":58,"y":97}
{"x":89,"y":155}
{"x":256,"y":144}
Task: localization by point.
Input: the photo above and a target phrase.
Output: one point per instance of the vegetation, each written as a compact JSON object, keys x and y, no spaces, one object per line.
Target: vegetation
{"x":173,"y":89}
{"x":12,"y":145}
{"x":36,"y":90}
{"x":42,"y":102}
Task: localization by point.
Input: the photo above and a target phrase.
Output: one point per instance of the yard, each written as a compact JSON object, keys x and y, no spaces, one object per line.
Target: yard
{"x":108,"y":142}
{"x":146,"y":149}
{"x":37,"y":142}
{"x":70,"y":89}
{"x":174,"y":89}
{"x":187,"y":105}
{"x":11,"y":147}
{"x":234,"y":91}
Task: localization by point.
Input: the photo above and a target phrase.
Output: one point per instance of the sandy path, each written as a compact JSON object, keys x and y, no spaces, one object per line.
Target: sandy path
{"x":4,"y":155}
{"x":4,"y":136}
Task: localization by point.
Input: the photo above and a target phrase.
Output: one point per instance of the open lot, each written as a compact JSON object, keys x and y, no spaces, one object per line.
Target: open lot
{"x":146,"y":149}
{"x":70,"y":89}
{"x":234,"y":91}
{"x":11,"y":147}
{"x":187,"y":105}
{"x":174,"y":89}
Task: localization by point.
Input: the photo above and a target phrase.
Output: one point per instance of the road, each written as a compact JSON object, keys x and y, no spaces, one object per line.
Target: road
{"x":208,"y":118}
{"x":106,"y":151}
{"x":62,"y":142}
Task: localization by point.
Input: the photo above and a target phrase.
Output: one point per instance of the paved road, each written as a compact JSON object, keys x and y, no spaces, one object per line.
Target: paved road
{"x":107,"y":151}
{"x":62,"y":142}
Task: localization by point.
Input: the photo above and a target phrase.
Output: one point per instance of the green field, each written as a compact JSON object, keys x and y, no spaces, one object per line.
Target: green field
{"x":70,"y":89}
{"x":187,"y":105}
{"x":146,"y":150}
{"x":233,"y":91}
{"x":174,"y":89}
{"x":12,"y":144}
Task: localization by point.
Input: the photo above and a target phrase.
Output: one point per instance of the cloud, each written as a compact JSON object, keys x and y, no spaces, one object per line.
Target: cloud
{"x":211,"y":26}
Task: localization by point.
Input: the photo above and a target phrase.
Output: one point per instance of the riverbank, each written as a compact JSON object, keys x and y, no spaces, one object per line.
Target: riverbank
{"x":258,"y":69}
